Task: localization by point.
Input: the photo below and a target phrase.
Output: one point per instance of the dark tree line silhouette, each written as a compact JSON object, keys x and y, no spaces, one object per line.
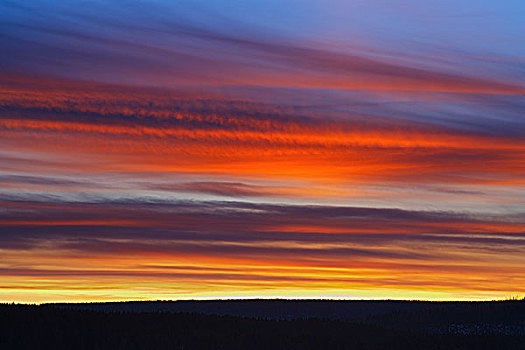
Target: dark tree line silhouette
{"x":51,"y":327}
{"x":438,"y":316}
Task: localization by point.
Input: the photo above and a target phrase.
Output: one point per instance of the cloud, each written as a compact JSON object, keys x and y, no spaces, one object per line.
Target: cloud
{"x":178,"y":52}
{"x":228,"y":189}
{"x":120,"y":127}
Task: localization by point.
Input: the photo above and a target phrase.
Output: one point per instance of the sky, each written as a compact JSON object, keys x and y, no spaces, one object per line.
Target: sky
{"x":259,"y":149}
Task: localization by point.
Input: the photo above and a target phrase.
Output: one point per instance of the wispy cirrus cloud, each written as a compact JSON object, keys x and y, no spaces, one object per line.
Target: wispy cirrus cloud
{"x":321,"y":244}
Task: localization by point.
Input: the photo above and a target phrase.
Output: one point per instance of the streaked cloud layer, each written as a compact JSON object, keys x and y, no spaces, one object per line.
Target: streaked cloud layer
{"x":219,"y":149}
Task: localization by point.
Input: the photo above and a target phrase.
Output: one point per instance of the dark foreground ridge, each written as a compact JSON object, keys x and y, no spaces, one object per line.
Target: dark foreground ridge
{"x":162,"y":325}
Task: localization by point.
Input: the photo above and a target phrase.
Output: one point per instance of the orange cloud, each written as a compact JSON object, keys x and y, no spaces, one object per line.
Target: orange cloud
{"x":69,"y":233}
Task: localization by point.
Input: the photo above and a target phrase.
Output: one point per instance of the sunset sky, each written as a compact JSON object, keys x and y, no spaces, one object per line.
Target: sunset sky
{"x":240,"y":149}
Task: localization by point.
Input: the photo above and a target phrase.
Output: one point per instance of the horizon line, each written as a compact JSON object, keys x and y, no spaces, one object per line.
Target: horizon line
{"x":519,"y":298}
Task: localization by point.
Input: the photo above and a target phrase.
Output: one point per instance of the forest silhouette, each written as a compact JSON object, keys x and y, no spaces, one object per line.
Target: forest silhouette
{"x":459,"y":325}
